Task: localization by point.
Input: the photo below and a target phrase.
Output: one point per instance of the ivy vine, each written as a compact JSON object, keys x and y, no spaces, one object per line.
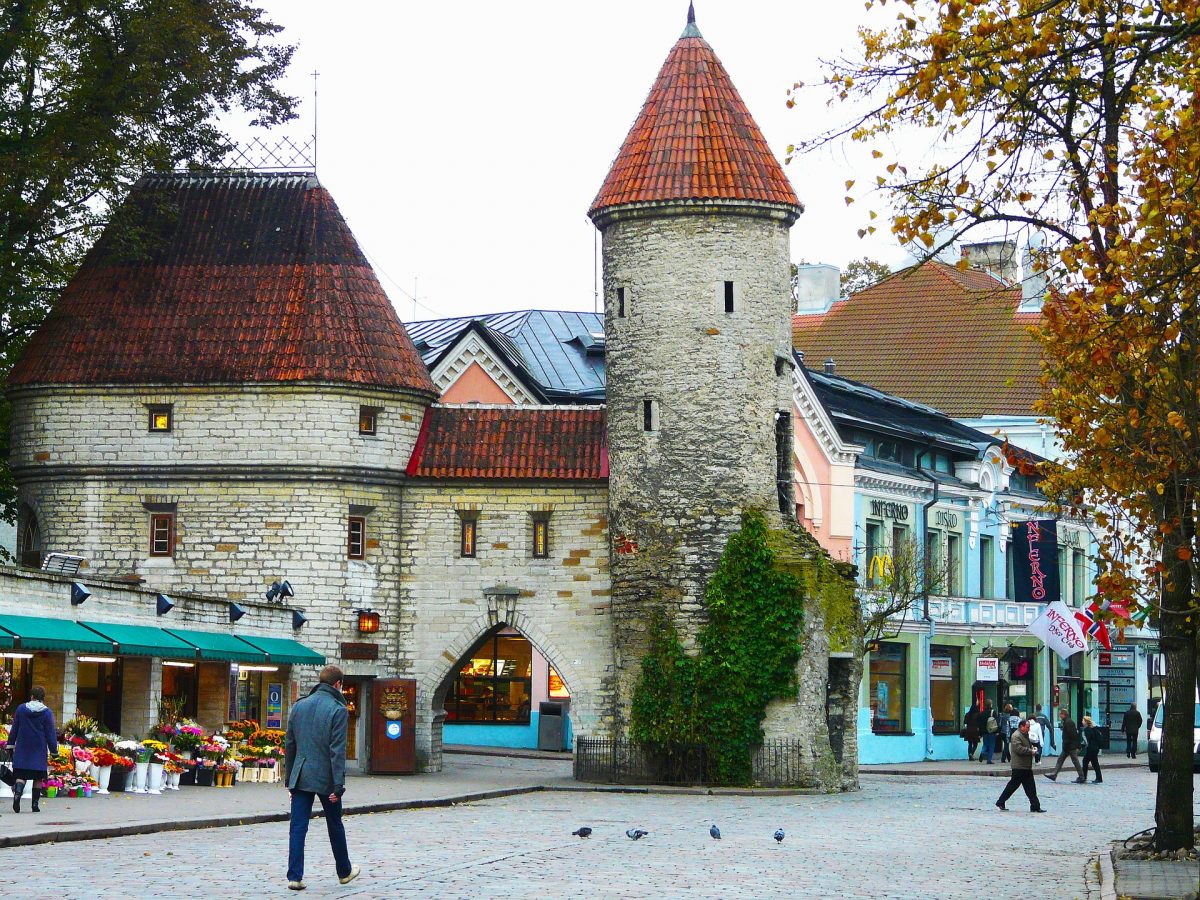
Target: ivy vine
{"x":748,"y":654}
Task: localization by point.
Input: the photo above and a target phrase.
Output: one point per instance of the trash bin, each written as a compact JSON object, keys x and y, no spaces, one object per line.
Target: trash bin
{"x":550,"y":726}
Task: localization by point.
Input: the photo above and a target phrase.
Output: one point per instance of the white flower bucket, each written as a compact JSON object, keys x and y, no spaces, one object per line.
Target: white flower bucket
{"x":154,"y":786}
{"x":139,"y":780}
{"x":102,"y":776}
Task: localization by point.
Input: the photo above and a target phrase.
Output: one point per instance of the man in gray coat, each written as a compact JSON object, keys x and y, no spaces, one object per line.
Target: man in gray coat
{"x":315,"y":766}
{"x":1022,"y":751}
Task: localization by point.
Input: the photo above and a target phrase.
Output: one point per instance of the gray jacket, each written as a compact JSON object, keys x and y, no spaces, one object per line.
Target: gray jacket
{"x":315,"y":748}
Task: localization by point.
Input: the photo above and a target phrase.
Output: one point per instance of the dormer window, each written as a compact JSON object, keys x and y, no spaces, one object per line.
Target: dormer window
{"x":161,"y":418}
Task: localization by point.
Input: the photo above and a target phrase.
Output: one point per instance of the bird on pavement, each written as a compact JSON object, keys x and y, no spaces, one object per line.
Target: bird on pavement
{"x":779,"y":835}
{"x":635,"y":834}
{"x":714,"y":833}
{"x":582,"y":832}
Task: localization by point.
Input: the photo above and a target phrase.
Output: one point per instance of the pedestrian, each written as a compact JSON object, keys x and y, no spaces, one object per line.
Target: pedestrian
{"x":315,"y":766}
{"x":970,"y":730}
{"x":32,"y":738}
{"x":1070,"y":746}
{"x":990,"y":731}
{"x":1035,"y":737}
{"x":1022,"y":770}
{"x":1131,"y":724}
{"x":1047,"y":725}
{"x":1091,"y":750}
{"x":1008,"y":725}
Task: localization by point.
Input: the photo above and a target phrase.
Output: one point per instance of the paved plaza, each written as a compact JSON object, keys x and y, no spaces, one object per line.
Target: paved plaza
{"x":898,"y":837}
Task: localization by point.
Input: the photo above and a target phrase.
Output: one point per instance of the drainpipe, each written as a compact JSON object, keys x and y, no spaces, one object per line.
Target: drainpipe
{"x":927,"y":637}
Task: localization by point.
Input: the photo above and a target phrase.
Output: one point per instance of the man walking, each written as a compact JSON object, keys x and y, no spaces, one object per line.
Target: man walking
{"x":1070,"y":746}
{"x":315,"y":766}
{"x":1047,"y":726}
{"x":1131,"y":724}
{"x":1022,"y":770}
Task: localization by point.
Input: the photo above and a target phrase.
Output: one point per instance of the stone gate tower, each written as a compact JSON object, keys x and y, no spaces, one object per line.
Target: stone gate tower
{"x":694,"y":214}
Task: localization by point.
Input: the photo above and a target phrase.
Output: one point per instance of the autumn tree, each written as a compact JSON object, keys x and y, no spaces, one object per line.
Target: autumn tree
{"x":895,"y":581}
{"x":860,"y":274}
{"x":94,"y":94}
{"x":1073,"y":117}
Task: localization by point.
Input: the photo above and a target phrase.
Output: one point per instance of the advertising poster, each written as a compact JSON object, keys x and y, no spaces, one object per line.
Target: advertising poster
{"x":274,"y":705}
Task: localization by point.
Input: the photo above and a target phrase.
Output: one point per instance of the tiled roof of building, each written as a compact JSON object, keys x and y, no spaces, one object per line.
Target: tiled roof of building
{"x":227,"y":278}
{"x":694,"y":139}
{"x":936,"y":334}
{"x":550,"y":346}
{"x":509,"y":442}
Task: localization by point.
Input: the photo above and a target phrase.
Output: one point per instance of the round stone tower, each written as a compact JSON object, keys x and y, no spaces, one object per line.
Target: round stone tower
{"x":695,"y":214}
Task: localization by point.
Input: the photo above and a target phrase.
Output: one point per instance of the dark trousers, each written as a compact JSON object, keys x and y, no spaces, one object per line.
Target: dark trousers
{"x":989,"y":746}
{"x":1022,"y":778}
{"x":1072,"y":755}
{"x":1131,"y":745}
{"x":302,"y":802}
{"x":1092,"y":756}
{"x":1005,"y":756}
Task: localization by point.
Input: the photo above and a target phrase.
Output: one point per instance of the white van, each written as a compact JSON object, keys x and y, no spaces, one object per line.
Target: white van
{"x":1154,"y":753}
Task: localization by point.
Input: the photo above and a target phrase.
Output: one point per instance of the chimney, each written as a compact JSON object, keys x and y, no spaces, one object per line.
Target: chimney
{"x":998,"y":258}
{"x":1033,"y":285}
{"x":817,"y":287}
{"x":830,"y":366}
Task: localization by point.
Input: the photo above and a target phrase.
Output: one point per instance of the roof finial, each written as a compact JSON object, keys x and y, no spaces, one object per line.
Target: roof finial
{"x":691,"y":30}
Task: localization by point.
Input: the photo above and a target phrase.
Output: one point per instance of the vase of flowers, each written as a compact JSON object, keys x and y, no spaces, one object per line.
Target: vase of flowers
{"x":83,"y":759}
{"x":52,"y":785}
{"x":188,"y":736}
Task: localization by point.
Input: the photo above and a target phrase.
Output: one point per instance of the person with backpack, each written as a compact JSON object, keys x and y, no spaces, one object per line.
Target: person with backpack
{"x":1131,"y":724}
{"x":990,"y":731}
{"x":1070,"y":747}
{"x":1047,"y":726}
{"x":1035,"y":737}
{"x":970,"y":730}
{"x":1091,"y":750}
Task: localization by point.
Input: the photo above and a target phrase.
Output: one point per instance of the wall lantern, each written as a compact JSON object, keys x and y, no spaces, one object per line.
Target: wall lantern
{"x":235,"y":612}
{"x":164,"y":604}
{"x":79,"y":593}
{"x":368,"y":621}
{"x":298,"y":618}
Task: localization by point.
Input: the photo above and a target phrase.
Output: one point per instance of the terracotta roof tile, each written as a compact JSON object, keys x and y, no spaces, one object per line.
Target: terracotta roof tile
{"x":942,"y":336}
{"x":224,"y":279}
{"x":511,"y":442}
{"x":694,"y":139}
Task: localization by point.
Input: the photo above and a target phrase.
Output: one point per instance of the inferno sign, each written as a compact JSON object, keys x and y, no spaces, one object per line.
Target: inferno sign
{"x":1035,"y":561}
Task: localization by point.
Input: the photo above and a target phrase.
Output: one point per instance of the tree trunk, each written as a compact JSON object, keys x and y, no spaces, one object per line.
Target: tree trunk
{"x":1177,"y":637}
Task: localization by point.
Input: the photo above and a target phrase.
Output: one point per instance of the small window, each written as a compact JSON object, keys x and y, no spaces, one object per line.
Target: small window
{"x":729,"y":296}
{"x":356,"y":539}
{"x":650,"y":415}
{"x":160,"y":417}
{"x":368,"y":419}
{"x":162,"y":534}
{"x":467,"y":536}
{"x":620,"y":303}
{"x":541,"y":538}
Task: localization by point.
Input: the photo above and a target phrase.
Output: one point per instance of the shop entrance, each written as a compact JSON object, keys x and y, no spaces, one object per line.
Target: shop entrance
{"x":99,"y":691}
{"x":1078,"y":695}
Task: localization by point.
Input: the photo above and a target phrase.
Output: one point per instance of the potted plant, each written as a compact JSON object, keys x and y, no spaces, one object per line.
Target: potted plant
{"x":155,"y":767}
{"x":188,"y":736}
{"x":141,"y":777}
{"x":102,"y":761}
{"x":122,"y":768}
{"x":53,"y":785}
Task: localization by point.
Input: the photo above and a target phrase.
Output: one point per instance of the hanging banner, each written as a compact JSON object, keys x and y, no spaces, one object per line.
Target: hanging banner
{"x":1035,"y":561}
{"x":1059,"y":630}
{"x":987,"y":668}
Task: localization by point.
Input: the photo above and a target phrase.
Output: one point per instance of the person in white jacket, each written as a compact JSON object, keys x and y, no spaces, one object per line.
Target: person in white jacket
{"x":1035,"y":736}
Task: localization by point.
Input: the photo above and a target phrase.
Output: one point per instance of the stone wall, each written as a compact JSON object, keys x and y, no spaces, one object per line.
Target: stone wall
{"x":719,"y":380}
{"x":562,"y":603}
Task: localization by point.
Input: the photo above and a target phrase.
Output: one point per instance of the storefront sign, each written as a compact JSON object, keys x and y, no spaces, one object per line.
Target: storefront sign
{"x":884,"y":509}
{"x":946,"y":519}
{"x":1017,"y":690}
{"x":1035,"y":561}
{"x":233,"y":692}
{"x":394,"y":730}
{"x":274,"y":705}
{"x":987,"y":668}
{"x":360,"y":651}
{"x":941,"y":667}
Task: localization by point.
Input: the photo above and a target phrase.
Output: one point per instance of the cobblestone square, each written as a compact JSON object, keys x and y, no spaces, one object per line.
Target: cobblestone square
{"x":898,"y":837}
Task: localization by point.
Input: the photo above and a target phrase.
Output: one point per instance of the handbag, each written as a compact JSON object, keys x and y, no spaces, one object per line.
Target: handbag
{"x":7,"y":776}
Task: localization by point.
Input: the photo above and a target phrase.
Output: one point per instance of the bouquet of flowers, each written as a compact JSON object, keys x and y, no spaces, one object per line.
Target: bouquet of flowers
{"x":188,"y":736}
{"x":101,"y":739}
{"x":156,"y":750}
{"x":163,"y":731}
{"x":241,"y":730}
{"x":173,"y":768}
{"x":102,"y":757}
{"x":128,"y":749}
{"x":76,"y":730}
{"x":267,"y":737}
{"x":82,"y":754}
{"x":52,"y":782}
{"x":122,"y":762}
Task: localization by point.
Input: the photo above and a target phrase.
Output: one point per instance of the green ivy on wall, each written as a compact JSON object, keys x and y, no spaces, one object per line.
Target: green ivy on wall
{"x":747,"y":657}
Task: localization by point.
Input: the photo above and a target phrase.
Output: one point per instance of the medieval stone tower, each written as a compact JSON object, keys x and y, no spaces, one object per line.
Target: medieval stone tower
{"x":695,"y":214}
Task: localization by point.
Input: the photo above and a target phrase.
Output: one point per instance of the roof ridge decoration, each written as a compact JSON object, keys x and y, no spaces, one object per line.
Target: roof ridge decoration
{"x":695,"y":140}
{"x":690,"y":30}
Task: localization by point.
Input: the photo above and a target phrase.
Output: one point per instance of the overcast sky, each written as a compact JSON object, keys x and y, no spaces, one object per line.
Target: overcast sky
{"x":465,"y":141}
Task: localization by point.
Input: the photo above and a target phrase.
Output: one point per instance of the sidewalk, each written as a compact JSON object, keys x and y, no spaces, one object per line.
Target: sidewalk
{"x":996,"y":770}
{"x":1138,"y":879}
{"x":463,"y":779}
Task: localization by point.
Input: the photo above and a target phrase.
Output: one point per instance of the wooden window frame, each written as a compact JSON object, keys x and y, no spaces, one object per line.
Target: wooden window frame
{"x":361,"y":523}
{"x":541,"y":524}
{"x":155,"y":519}
{"x":156,"y":409}
{"x":468,"y":537}
{"x":368,"y":414}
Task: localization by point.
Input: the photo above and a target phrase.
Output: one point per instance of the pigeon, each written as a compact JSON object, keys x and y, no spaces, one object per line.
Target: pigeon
{"x":635,"y":834}
{"x":714,"y":833}
{"x":582,"y":832}
{"x":779,"y":835}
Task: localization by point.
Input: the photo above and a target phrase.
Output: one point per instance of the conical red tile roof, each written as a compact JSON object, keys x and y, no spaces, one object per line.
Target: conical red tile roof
{"x":224,"y":279}
{"x":694,"y":140}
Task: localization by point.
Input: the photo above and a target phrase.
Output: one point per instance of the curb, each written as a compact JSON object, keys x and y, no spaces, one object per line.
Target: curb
{"x":1108,"y":875}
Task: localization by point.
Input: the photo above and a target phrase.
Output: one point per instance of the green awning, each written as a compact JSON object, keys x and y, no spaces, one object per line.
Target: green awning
{"x":6,"y":640}
{"x":37,"y":633}
{"x":214,"y":645}
{"x":285,"y":650}
{"x":143,"y":640}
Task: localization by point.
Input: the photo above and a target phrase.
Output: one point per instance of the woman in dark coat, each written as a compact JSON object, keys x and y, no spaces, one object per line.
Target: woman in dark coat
{"x":971,"y":731}
{"x":32,"y":738}
{"x":1092,"y":753}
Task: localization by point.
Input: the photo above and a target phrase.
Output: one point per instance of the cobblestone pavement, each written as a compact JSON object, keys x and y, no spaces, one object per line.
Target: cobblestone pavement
{"x":898,"y":837}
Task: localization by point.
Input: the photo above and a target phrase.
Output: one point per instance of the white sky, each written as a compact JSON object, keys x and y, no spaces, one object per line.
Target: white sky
{"x":465,"y":141}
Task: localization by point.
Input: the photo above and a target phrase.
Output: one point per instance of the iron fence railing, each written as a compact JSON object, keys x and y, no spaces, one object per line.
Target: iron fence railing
{"x":779,"y":762}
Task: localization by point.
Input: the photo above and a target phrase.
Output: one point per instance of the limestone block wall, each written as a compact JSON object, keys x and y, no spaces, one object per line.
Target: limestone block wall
{"x":562,"y":603}
{"x":717,"y":380}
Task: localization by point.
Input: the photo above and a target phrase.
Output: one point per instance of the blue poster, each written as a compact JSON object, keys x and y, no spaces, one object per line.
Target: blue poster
{"x":274,"y":705}
{"x":393,"y":730}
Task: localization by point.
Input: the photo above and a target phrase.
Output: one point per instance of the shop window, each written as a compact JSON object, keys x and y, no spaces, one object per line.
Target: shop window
{"x":495,"y":685}
{"x":350,"y":690}
{"x":368,"y":420}
{"x":162,"y":534}
{"x":248,"y":695}
{"x":944,"y":688}
{"x":555,"y":688}
{"x":541,"y":538}
{"x":873,"y":559}
{"x":987,"y":567}
{"x":20,"y":682}
{"x":356,"y":537}
{"x":181,"y":683}
{"x":889,"y":700}
{"x":467,"y":533}
{"x":161,"y":416}
{"x":954,"y":567}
